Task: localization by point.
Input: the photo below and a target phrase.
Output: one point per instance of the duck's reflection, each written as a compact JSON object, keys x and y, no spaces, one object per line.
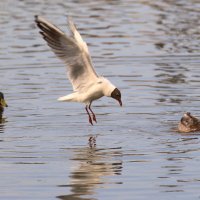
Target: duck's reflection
{"x":2,"y":123}
{"x":94,"y":167}
{"x":2,"y":105}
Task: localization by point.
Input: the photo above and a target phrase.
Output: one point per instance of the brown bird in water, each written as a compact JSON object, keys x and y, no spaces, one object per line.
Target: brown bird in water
{"x":188,"y":123}
{"x":72,"y":49}
{"x":2,"y":104}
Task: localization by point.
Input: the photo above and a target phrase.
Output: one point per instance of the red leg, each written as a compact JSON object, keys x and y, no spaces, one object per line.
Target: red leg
{"x":90,"y":119}
{"x":93,"y":115}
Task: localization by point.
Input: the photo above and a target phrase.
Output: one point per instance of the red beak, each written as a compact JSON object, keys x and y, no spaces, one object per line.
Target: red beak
{"x":120,"y":102}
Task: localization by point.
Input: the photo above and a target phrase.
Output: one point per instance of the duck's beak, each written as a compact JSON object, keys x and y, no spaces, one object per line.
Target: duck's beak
{"x":3,"y":103}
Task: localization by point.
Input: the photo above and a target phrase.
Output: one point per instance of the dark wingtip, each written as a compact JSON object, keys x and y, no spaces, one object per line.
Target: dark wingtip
{"x":36,"y":18}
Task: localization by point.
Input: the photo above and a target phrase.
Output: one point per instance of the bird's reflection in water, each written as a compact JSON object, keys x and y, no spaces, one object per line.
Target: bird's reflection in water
{"x":2,"y":123}
{"x":94,"y":168}
{"x":92,"y":141}
{"x":3,"y":104}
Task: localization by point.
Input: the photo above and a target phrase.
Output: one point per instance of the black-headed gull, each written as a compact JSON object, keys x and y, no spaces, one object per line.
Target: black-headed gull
{"x":87,"y":85}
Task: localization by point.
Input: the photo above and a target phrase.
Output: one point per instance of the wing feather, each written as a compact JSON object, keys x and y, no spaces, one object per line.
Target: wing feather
{"x":72,"y":50}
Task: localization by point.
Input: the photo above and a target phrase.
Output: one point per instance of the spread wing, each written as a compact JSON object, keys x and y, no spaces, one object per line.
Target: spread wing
{"x":72,"y":50}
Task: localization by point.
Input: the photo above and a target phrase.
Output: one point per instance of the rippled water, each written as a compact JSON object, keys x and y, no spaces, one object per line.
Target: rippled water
{"x":151,"y":51}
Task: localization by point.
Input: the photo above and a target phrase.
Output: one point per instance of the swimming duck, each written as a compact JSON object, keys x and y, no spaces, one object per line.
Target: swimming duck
{"x":2,"y":103}
{"x":188,"y":123}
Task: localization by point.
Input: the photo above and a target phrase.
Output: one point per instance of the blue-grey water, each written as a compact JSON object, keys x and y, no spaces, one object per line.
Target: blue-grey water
{"x":151,"y":51}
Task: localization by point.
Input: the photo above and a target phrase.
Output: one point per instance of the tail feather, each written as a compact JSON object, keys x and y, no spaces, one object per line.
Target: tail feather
{"x":64,"y":98}
{"x":70,"y":97}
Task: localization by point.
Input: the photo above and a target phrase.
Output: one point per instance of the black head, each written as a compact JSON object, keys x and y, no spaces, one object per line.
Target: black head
{"x":116,"y":94}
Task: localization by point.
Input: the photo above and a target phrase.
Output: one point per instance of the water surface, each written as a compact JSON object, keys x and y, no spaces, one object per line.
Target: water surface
{"x":151,"y":51}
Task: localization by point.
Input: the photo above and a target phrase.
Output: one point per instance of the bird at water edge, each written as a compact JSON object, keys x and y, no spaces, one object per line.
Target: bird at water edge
{"x":87,"y":84}
{"x":188,"y":123}
{"x":2,"y":103}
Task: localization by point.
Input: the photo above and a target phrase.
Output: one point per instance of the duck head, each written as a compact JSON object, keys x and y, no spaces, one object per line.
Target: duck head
{"x":189,"y":123}
{"x":2,"y":101}
{"x":188,"y":120}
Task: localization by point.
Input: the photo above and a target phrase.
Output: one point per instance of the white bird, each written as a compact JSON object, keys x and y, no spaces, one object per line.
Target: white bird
{"x":87,"y":85}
